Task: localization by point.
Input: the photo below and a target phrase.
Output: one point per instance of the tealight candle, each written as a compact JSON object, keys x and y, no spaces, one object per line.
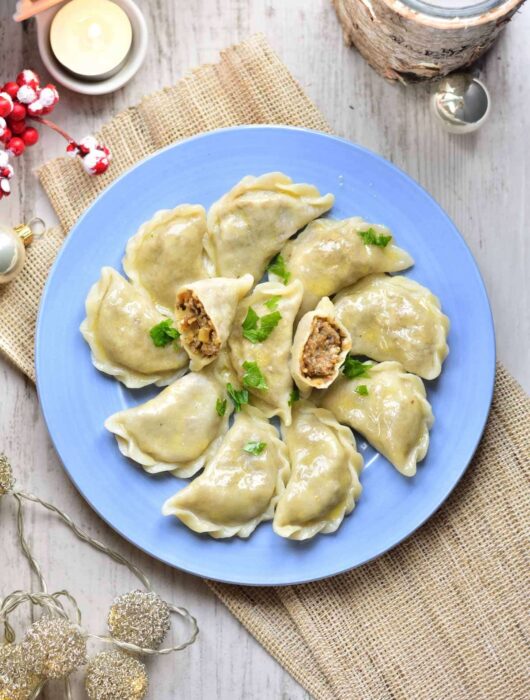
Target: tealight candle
{"x":91,"y":38}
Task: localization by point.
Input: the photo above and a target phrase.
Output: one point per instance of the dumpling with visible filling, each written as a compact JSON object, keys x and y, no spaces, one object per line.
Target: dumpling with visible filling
{"x":320,"y":346}
{"x":179,"y":429}
{"x":250,"y":224}
{"x":240,"y":485}
{"x":329,"y":255}
{"x":260,"y":345}
{"x":395,"y":318}
{"x":204,"y":312}
{"x":167,"y":252}
{"x":324,"y":482}
{"x":389,"y":408}
{"x":119,"y":318}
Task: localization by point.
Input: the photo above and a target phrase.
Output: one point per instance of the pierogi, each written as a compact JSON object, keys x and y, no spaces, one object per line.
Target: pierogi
{"x":166,"y":253}
{"x":391,"y":411}
{"x":179,"y":429}
{"x":329,"y":255}
{"x":320,"y":346}
{"x":250,"y":224}
{"x":325,"y":468}
{"x":395,"y":318}
{"x":268,"y":359}
{"x":119,"y":319}
{"x":240,"y":485}
{"x":204,"y":312}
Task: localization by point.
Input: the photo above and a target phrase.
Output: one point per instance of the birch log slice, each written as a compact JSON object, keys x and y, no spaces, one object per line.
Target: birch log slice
{"x":403,"y":44}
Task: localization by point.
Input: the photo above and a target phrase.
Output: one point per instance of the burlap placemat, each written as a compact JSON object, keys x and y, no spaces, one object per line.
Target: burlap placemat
{"x":443,"y":615}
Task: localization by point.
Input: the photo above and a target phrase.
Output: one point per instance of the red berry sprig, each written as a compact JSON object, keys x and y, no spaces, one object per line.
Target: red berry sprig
{"x":23,"y":100}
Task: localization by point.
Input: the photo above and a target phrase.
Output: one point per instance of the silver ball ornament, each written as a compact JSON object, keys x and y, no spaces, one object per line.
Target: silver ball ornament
{"x":461,"y":103}
{"x":54,"y":647}
{"x":140,"y":618}
{"x":12,"y":254}
{"x":13,"y":242}
{"x":16,"y":681}
{"x":115,"y":675}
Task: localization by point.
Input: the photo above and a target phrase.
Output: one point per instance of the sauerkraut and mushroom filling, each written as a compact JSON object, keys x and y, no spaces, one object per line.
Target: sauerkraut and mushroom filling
{"x":322,"y":351}
{"x":196,"y":326}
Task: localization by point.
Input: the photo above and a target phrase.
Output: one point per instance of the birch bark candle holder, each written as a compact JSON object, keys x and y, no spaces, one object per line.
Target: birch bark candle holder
{"x":413,"y":40}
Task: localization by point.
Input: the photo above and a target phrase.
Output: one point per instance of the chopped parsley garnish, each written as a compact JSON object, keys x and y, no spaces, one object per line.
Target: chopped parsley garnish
{"x":238,"y":396}
{"x":272,"y":303}
{"x":353,"y":368}
{"x":255,"y":448}
{"x":277,"y":267}
{"x":362,"y":390}
{"x":253,"y":378}
{"x":370,"y":237}
{"x":251,"y":320}
{"x":220,"y":407}
{"x":294,"y":396}
{"x":164,"y":333}
{"x":256,"y":328}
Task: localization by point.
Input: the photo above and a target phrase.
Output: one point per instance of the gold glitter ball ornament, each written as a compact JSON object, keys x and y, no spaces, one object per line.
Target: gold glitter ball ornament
{"x":7,"y":480}
{"x":54,"y":647}
{"x":140,"y":618}
{"x":114,"y":675}
{"x":16,"y":681}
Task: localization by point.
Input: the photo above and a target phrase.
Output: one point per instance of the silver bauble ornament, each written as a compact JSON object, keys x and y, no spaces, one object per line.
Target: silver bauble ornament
{"x":16,"y":681}
{"x":141,"y":618}
{"x":114,"y":675}
{"x":12,"y":254}
{"x":13,"y":242}
{"x":461,"y":103}
{"x":54,"y":647}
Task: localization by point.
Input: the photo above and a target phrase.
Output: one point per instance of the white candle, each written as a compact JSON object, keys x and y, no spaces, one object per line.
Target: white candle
{"x":91,"y":38}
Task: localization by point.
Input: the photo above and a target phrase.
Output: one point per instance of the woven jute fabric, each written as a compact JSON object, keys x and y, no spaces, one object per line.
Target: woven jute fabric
{"x":442,"y":616}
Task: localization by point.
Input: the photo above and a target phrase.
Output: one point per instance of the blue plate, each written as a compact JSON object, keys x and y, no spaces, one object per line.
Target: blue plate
{"x":76,"y":399}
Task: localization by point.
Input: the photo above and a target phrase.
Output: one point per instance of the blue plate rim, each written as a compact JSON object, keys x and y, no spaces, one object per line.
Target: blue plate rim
{"x":273,"y":127}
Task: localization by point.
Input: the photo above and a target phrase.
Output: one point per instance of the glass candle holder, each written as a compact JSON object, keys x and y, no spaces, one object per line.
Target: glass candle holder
{"x":453,"y":8}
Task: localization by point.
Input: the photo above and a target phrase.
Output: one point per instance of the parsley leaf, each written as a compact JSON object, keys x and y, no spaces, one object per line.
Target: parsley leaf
{"x":362,"y":390}
{"x":272,"y":303}
{"x":251,"y":320}
{"x":253,"y":378}
{"x":255,"y":448}
{"x":220,"y":407}
{"x":278,"y":267}
{"x":163,"y":333}
{"x":294,"y":396}
{"x":239,"y":397}
{"x":258,"y":329}
{"x":268,"y":323}
{"x":353,"y":368}
{"x":370,"y":237}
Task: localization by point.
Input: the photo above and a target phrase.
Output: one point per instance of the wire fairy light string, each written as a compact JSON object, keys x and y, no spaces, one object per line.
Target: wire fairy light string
{"x":55,"y":645}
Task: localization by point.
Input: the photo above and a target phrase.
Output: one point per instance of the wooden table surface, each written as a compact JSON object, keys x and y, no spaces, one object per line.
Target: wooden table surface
{"x":481,"y":180}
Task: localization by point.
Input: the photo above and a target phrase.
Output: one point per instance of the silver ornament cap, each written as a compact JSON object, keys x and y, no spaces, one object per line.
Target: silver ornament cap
{"x":461,"y":103}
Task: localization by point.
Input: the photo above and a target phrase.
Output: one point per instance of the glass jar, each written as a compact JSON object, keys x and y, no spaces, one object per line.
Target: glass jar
{"x":453,"y":8}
